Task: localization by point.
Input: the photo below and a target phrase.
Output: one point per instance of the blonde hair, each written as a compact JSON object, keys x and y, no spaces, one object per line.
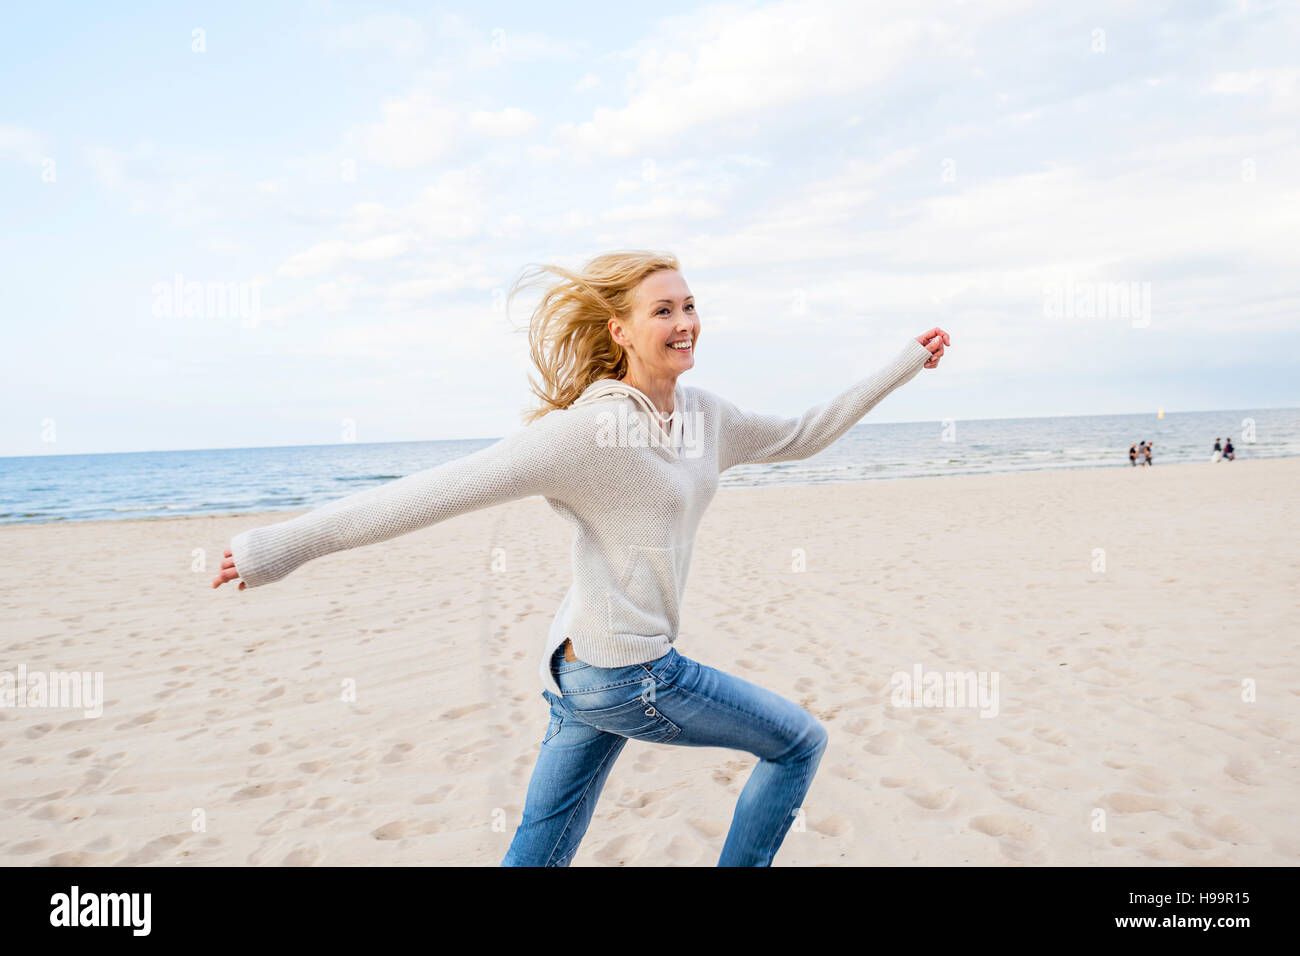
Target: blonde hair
{"x":568,"y":333}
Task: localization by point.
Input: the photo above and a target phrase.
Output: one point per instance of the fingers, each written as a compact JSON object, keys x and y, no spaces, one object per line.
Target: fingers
{"x":228,"y":573}
{"x":934,"y":340}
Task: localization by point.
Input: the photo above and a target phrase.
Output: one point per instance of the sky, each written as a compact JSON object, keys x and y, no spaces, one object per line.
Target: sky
{"x":245,"y":224}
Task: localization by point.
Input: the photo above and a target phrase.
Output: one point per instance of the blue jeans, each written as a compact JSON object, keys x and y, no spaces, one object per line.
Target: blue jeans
{"x":672,"y":700}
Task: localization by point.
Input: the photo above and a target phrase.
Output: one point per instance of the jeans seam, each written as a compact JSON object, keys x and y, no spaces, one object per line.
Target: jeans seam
{"x":599,"y":687}
{"x":770,"y":851}
{"x":578,"y":806}
{"x":728,"y":704}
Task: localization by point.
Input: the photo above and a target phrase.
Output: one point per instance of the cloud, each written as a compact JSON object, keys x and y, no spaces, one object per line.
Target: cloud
{"x":185,"y":187}
{"x":21,"y":145}
{"x":330,"y":255}
{"x":507,"y":122}
{"x":730,"y":62}
{"x":419,"y":130}
{"x":1280,"y":87}
{"x":414,"y":131}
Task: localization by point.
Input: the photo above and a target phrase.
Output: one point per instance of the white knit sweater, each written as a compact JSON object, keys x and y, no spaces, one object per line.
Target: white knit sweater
{"x":634,"y":495}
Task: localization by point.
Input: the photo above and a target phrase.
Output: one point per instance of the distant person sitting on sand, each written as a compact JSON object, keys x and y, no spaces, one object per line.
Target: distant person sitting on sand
{"x":1228,"y":452}
{"x":1133,"y":455}
{"x":1218,"y":451}
{"x":1148,"y":454}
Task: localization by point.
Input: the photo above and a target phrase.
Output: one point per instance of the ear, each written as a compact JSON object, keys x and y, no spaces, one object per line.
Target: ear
{"x":617,"y":333}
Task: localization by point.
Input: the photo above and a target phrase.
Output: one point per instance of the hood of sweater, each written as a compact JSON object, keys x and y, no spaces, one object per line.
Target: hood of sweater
{"x":606,"y":388}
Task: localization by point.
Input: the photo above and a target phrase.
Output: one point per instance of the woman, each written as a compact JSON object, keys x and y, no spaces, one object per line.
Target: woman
{"x":631,"y":457}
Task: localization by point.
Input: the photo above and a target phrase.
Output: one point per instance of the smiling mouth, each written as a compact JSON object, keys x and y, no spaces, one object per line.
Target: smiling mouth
{"x":684,"y":347}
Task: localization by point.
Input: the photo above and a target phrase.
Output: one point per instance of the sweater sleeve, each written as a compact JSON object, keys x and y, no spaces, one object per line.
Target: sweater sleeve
{"x":530,"y":461}
{"x":749,"y":438}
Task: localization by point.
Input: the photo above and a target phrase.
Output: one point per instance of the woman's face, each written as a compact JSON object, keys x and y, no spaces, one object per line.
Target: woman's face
{"x":663,"y":313}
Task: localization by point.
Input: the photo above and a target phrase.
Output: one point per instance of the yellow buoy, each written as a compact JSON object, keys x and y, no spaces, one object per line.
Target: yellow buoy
{"x":1161,"y":413}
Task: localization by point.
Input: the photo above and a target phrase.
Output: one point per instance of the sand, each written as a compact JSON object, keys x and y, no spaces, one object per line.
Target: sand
{"x":1122,"y":736}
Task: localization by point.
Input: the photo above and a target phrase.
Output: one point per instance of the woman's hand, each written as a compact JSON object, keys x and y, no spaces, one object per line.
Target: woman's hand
{"x":228,"y":572}
{"x":934,"y":340}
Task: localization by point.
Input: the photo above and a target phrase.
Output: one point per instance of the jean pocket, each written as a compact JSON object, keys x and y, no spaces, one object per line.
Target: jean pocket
{"x":553,"y":727}
{"x":635,"y":719}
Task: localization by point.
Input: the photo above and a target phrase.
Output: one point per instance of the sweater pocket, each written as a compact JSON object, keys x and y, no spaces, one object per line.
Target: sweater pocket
{"x":646,"y":598}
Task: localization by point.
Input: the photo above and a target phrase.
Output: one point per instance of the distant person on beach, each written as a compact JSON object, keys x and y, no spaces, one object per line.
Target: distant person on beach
{"x":610,"y":340}
{"x":1218,"y":451}
{"x":1228,"y":452}
{"x":1132,"y":455}
{"x":1147,"y":452}
{"x":1141,"y":453}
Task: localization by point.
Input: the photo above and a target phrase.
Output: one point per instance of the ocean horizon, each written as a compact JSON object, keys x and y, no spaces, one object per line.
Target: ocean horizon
{"x":144,"y":484}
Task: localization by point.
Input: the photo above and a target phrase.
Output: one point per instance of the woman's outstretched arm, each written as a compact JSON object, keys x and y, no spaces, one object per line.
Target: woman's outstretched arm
{"x":749,"y":438}
{"x":533,"y":460}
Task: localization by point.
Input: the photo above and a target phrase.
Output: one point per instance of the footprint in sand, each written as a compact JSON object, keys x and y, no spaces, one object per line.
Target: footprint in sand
{"x":398,"y":753}
{"x":108,"y":843}
{"x":710,"y":829}
{"x":831,"y":825}
{"x":1243,"y":769}
{"x":1191,"y":840}
{"x":256,"y":790}
{"x":684,"y":851}
{"x":885,"y":742}
{"x":1230,"y":828}
{"x":1018,"y":839}
{"x":1050,"y":736}
{"x":154,"y":850}
{"x":1028,"y":800}
{"x":139,"y":721}
{"x":437,"y":796}
{"x":858,"y":726}
{"x":63,"y":812}
{"x":458,"y":712}
{"x":304,"y":854}
{"x":1137,"y":803}
{"x":933,"y":799}
{"x":623,"y":849}
{"x":391,"y":831}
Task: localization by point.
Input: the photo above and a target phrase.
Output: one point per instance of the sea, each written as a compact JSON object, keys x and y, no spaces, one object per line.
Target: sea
{"x":146,"y":484}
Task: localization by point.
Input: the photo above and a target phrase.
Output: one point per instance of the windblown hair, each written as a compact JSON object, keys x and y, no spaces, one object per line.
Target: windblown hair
{"x":568,"y":333}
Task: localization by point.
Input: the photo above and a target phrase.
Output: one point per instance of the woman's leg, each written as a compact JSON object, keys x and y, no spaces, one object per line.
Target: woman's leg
{"x":680,"y":701}
{"x":716,"y":709}
{"x":567,"y":779}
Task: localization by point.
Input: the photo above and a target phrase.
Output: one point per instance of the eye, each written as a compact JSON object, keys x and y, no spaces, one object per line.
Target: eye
{"x":691,"y":306}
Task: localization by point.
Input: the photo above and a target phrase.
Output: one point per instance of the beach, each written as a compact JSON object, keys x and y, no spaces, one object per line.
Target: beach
{"x":381,"y":706}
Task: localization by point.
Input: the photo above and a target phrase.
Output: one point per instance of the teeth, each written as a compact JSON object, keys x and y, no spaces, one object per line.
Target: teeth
{"x":680,"y":346}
